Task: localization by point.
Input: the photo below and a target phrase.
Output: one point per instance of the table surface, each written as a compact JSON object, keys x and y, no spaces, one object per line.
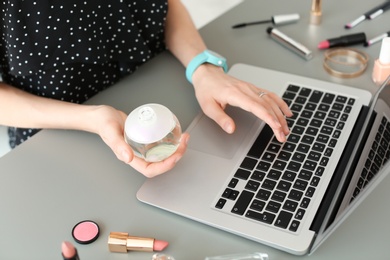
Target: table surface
{"x":59,"y":178}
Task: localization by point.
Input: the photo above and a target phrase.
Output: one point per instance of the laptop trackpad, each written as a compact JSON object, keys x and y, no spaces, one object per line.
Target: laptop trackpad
{"x":208,"y":137}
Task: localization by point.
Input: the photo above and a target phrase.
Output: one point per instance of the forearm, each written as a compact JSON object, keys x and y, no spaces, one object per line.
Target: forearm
{"x":21,"y":109}
{"x":182,"y":37}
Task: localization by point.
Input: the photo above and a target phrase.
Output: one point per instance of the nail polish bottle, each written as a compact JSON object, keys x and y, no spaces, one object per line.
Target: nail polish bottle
{"x":382,"y":65}
{"x":153,"y":132}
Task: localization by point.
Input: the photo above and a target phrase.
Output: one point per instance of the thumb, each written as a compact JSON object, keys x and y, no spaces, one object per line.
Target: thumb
{"x":217,"y":114}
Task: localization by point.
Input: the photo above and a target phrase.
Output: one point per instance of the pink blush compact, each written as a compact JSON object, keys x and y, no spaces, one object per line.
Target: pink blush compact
{"x":85,"y":232}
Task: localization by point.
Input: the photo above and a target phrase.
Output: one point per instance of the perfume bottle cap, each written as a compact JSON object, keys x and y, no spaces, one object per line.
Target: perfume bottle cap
{"x":384,"y":55}
{"x":149,"y":123}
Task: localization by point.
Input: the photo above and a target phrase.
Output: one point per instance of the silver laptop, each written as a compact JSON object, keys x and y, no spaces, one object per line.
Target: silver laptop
{"x":290,"y":195}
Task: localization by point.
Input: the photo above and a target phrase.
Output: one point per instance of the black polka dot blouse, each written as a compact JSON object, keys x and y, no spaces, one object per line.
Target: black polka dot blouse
{"x":70,"y":50}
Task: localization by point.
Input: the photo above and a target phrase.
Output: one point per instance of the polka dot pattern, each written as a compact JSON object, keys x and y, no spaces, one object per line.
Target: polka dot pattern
{"x":70,"y":50}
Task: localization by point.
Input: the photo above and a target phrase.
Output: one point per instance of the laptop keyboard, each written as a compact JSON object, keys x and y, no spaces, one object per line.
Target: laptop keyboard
{"x":276,"y":182}
{"x":379,"y":154}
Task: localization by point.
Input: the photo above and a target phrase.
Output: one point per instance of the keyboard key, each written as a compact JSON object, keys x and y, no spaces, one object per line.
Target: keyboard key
{"x":273,"y":206}
{"x":258,"y":176}
{"x":248,"y":163}
{"x":316,"y":96}
{"x":294,"y":226}
{"x":268,"y":184}
{"x":230,"y":194}
{"x":220,"y":203}
{"x":262,"y":140}
{"x":252,"y":185}
{"x":290,"y":205}
{"x":242,"y":174}
{"x":263,"y":194}
{"x":278,"y":196}
{"x":257,"y":205}
{"x":300,"y":184}
{"x":328,"y":98}
{"x":274,"y":175}
{"x":300,"y":213}
{"x":265,"y":217}
{"x":242,"y":203}
{"x":233,"y":182}
{"x":284,"y":186}
{"x":305,"y":92}
{"x":295,"y":195}
{"x":283,"y":219}
{"x":289,"y":176}
{"x":263,"y":166}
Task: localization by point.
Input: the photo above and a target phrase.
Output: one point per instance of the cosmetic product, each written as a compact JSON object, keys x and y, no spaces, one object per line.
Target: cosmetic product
{"x":373,"y":13}
{"x":275,"y":20}
{"x":316,"y":12}
{"x":85,"y":232}
{"x":244,"y":256}
{"x":69,"y":252}
{"x":345,"y":40}
{"x":289,"y":43}
{"x":159,"y":256}
{"x":382,"y":65}
{"x":377,"y":39}
{"x":121,"y":242}
{"x":153,"y":132}
{"x":345,"y":62}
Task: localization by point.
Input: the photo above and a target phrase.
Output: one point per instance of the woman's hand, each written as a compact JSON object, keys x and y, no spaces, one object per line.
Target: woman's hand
{"x":215,"y":90}
{"x":110,"y":127}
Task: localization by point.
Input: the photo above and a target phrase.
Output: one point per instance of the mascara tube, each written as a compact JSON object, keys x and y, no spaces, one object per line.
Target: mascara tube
{"x":289,"y":43}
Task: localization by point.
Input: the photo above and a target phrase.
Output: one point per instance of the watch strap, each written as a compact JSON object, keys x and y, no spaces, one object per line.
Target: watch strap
{"x":204,"y":57}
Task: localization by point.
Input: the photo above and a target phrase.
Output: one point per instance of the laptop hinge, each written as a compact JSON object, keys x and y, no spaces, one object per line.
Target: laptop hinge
{"x":340,"y":171}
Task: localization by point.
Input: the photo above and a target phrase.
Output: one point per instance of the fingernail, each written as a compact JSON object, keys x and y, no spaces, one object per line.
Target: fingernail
{"x":125,"y":156}
{"x":228,"y":128}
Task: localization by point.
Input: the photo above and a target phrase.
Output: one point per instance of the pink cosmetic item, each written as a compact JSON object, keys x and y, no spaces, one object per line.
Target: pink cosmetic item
{"x":69,"y":252}
{"x":121,"y":242}
{"x":382,"y":65}
{"x":85,"y":232}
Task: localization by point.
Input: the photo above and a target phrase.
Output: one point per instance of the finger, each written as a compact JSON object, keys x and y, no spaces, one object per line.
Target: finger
{"x":216,"y":113}
{"x":122,"y":150}
{"x":153,"y":169}
{"x":278,"y":111}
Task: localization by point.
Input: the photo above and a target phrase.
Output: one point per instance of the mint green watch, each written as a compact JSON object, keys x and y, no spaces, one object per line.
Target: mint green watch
{"x":205,"y":57}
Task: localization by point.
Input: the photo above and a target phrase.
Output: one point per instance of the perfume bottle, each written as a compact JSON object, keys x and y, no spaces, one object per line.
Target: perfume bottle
{"x":382,"y":65}
{"x":153,"y":132}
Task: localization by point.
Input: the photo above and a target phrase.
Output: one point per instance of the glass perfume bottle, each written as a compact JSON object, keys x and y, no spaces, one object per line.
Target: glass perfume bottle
{"x":153,"y":132}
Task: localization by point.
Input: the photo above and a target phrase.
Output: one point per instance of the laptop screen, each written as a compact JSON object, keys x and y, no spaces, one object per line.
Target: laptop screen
{"x":366,"y":167}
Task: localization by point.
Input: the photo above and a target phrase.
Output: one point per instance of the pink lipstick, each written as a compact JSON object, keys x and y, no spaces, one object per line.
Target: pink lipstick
{"x":69,"y":252}
{"x":122,"y":243}
{"x":345,"y":40}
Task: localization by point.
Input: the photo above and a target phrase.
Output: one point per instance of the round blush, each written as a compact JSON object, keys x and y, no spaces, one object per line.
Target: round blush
{"x":85,"y":232}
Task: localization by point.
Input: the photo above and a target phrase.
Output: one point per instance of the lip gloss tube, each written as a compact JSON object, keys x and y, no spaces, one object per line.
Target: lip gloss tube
{"x":382,"y":65}
{"x":289,"y":43}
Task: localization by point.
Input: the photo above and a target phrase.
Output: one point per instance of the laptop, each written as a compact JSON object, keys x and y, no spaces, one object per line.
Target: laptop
{"x":290,"y":195}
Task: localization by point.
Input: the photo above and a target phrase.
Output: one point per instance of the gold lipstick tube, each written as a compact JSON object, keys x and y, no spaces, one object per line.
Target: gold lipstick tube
{"x":122,"y":243}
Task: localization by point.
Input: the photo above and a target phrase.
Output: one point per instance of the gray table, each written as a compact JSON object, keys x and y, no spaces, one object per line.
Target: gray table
{"x":59,"y":178}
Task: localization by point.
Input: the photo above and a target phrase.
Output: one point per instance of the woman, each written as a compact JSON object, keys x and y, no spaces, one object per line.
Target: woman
{"x":55,"y":56}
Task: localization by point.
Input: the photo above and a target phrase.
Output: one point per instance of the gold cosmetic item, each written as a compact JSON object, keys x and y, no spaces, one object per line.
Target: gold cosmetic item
{"x":316,"y":13}
{"x":121,"y":242}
